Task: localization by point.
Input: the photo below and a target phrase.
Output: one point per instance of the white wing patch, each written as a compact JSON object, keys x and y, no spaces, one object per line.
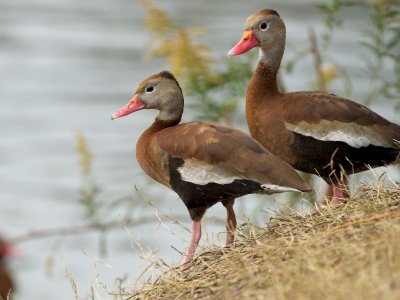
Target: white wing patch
{"x":273,"y":188}
{"x":352,"y":134}
{"x":201,"y":173}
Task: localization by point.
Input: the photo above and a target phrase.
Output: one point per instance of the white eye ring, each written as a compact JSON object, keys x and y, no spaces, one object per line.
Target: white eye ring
{"x":264,"y":25}
{"x":149,"y":89}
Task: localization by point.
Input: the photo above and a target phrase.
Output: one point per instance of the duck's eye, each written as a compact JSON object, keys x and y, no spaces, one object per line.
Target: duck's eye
{"x":149,"y":89}
{"x":264,"y":26}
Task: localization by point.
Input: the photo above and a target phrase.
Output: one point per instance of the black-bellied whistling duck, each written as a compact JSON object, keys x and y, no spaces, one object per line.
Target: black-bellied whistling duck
{"x":203,"y":162}
{"x":315,"y":132}
{"x":6,"y":283}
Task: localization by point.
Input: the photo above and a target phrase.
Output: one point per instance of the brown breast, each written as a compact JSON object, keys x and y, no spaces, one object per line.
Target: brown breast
{"x":151,"y":158}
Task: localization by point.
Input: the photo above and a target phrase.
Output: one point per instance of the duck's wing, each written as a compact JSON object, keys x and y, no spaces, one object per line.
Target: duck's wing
{"x":212,"y":153}
{"x":327,"y":117}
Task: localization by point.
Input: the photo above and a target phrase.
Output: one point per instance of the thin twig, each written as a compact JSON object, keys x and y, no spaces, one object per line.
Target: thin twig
{"x":316,"y":53}
{"x":81,"y":229}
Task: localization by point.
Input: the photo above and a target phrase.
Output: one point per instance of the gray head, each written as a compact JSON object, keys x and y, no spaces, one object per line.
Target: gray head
{"x":160,"y":91}
{"x":264,"y":29}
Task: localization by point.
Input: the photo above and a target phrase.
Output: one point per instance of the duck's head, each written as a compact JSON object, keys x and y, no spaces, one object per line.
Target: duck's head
{"x":160,"y":91}
{"x":264,"y":29}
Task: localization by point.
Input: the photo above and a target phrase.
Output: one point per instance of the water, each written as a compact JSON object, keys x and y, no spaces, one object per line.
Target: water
{"x":66,"y":66}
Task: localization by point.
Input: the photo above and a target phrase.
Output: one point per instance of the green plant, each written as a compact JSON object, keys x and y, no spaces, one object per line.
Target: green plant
{"x":330,"y":10}
{"x":214,"y":93}
{"x":326,"y":68}
{"x":382,"y":40}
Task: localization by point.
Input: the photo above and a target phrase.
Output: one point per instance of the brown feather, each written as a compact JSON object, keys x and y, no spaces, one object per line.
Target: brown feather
{"x":230,"y":149}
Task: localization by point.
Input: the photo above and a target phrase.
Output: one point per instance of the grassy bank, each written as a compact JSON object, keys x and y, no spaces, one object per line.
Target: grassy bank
{"x":346,"y":252}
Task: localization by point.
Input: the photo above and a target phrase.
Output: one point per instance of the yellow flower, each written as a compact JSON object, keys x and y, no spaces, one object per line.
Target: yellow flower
{"x":328,"y":72}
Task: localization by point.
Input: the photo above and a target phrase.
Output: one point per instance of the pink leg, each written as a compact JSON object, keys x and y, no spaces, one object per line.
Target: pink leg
{"x":338,"y":195}
{"x":194,"y":241}
{"x":230,"y":224}
{"x":334,"y":195}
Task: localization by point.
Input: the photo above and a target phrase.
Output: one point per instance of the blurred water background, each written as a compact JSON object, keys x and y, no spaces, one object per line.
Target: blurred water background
{"x":66,"y":65}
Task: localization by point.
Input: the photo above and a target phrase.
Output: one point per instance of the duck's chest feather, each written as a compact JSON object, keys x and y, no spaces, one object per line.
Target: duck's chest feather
{"x":152,"y":159}
{"x":267,"y":125}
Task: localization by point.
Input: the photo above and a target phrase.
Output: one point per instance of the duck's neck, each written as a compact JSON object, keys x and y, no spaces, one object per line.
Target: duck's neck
{"x":160,"y":124}
{"x":271,"y":57}
{"x":263,"y":84}
{"x":146,"y":137}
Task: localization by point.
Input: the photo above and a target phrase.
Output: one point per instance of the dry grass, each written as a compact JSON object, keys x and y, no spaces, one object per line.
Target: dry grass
{"x":346,"y":252}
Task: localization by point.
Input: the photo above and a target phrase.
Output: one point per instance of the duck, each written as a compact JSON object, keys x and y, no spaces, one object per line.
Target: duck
{"x":315,"y":132}
{"x":203,"y":162}
{"x":6,"y":282}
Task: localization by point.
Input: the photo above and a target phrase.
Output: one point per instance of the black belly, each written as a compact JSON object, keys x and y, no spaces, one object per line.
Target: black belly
{"x":198,"y":198}
{"x":327,"y":159}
